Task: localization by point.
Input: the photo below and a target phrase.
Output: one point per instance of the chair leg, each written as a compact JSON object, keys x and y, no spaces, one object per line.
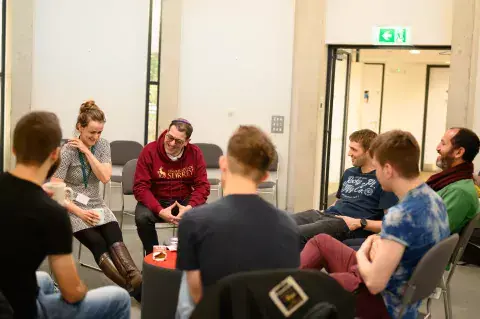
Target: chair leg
{"x":123,"y":212}
{"x":84,"y":264}
{"x":276,"y":195}
{"x":429,"y":311}
{"x":447,"y":302}
{"x":79,"y":251}
{"x":109,"y":194}
{"x":104,"y":191}
{"x":90,"y":266}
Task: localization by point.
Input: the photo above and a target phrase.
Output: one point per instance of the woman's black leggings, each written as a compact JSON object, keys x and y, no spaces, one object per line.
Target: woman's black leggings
{"x":99,"y":239}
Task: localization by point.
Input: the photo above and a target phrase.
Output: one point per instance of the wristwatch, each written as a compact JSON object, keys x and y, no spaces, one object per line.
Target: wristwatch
{"x":363,"y":223}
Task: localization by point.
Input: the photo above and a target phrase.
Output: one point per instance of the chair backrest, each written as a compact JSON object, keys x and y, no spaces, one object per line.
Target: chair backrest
{"x":246,"y":295}
{"x":6,"y":311}
{"x":465,"y":235}
{"x":274,"y":166}
{"x":128,"y":174}
{"x":429,"y":271}
{"x":211,"y":153}
{"x":123,"y":151}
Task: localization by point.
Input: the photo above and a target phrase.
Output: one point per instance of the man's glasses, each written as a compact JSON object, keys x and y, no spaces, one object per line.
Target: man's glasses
{"x":170,"y":138}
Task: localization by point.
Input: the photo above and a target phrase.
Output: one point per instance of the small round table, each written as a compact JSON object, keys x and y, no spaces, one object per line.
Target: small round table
{"x":169,"y":263}
{"x":161,"y":283}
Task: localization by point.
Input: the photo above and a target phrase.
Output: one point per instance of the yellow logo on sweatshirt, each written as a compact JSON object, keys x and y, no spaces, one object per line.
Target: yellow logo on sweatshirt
{"x":185,"y":172}
{"x":161,"y":173}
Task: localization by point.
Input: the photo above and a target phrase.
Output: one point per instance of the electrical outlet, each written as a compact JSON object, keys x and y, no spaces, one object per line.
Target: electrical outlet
{"x":277,"y":124}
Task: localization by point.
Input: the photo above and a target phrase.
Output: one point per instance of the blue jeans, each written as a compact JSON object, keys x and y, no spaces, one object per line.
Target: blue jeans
{"x":185,"y":304}
{"x":102,"y":303}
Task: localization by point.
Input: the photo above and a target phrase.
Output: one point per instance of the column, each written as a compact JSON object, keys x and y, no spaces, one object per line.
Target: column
{"x":169,"y":62}
{"x":18,"y":68}
{"x":306,"y":134}
{"x":464,"y":90}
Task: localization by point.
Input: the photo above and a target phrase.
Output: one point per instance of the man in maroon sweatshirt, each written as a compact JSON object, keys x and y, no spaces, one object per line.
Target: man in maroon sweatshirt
{"x":170,"y":179}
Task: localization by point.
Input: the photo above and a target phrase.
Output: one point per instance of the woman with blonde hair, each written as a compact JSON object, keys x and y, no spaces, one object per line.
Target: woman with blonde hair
{"x":85,"y":161}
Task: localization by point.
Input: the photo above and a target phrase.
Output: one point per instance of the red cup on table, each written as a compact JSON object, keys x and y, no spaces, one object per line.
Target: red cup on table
{"x":159,"y":253}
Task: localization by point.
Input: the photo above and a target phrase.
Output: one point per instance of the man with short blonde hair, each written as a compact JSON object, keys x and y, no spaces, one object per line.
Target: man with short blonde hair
{"x":228,"y":236}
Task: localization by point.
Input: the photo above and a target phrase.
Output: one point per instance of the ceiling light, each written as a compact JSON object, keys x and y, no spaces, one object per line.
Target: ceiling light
{"x":414,"y":51}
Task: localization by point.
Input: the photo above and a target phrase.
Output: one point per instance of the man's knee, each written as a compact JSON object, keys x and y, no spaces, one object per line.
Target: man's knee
{"x":306,"y":217}
{"x":119,"y":295}
{"x":112,"y":299}
{"x":321,"y":238}
{"x":143,"y":216}
{"x":120,"y":299}
{"x":44,"y":281}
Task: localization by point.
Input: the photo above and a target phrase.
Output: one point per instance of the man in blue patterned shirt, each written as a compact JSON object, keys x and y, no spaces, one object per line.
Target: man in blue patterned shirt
{"x":385,"y":262}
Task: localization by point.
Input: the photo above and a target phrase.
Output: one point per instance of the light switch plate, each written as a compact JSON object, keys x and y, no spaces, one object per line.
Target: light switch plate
{"x":277,"y":124}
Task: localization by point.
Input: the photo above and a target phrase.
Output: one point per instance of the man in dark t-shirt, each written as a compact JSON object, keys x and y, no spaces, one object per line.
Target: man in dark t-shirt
{"x":239,"y":232}
{"x":361,"y":201}
{"x":34,"y":226}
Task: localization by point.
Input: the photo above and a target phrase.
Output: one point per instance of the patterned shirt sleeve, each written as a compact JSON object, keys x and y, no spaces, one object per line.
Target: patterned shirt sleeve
{"x":397,"y":226}
{"x":65,"y":161}
{"x":103,"y":152}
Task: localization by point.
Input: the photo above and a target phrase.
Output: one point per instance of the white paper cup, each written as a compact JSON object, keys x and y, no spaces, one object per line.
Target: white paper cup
{"x":101,"y":215}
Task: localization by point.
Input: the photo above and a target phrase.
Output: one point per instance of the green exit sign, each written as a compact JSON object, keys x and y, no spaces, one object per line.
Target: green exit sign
{"x":392,"y":36}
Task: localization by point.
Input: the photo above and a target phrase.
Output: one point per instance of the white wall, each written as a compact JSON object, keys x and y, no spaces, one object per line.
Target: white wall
{"x":236,"y":68}
{"x":338,"y":113}
{"x":404,"y":98}
{"x":352,"y":21}
{"x":92,"y":50}
{"x":355,"y":101}
{"x":370,"y":110}
{"x":476,"y":121}
{"x":436,"y":113}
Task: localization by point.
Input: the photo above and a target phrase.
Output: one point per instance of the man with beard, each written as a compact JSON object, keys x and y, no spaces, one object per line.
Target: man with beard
{"x":454,"y":183}
{"x":170,"y":179}
{"x":360,"y":204}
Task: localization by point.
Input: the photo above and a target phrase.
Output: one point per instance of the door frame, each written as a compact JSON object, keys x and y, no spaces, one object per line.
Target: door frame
{"x":381,"y":95}
{"x":425,"y":108}
{"x":327,"y":137}
{"x":327,"y":121}
{"x":2,"y":86}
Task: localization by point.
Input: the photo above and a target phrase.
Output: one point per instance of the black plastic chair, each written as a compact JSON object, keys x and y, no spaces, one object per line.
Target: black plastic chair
{"x":246,"y":295}
{"x":271,"y":186}
{"x":211,"y":154}
{"x":122,"y":152}
{"x":465,"y":235}
{"x":128,"y":174}
{"x":428,"y":273}
{"x":6,"y":311}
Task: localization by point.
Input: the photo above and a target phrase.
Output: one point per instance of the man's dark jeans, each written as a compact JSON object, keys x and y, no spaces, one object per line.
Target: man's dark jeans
{"x":313,"y":222}
{"x":146,"y":219}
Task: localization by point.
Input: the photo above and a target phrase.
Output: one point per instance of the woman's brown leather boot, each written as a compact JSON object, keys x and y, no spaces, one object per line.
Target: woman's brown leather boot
{"x":110,"y":270}
{"x":126,"y":266}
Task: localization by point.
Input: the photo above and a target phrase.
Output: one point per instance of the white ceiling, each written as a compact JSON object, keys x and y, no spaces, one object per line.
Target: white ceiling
{"x":404,"y":56}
